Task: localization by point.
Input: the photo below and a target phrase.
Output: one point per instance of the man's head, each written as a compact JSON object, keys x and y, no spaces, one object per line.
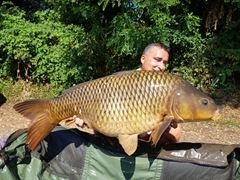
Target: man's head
{"x":155,"y":57}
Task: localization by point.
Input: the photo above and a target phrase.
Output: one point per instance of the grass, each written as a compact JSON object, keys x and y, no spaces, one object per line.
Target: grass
{"x":21,"y":90}
{"x":230,"y":122}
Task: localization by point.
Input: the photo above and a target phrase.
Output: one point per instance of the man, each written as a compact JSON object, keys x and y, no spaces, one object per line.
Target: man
{"x":155,"y":58}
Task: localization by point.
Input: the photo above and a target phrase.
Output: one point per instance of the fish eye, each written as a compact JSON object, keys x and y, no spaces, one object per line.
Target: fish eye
{"x":204,"y":102}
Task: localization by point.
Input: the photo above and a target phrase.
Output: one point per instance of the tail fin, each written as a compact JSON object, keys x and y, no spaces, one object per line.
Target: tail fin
{"x":42,"y":123}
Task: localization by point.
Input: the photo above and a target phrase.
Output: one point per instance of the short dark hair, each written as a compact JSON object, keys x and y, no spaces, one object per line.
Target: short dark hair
{"x":161,"y":45}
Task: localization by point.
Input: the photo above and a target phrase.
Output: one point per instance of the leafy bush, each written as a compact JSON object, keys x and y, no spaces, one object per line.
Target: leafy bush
{"x":42,"y":48}
{"x":224,"y":53}
{"x":65,"y":42}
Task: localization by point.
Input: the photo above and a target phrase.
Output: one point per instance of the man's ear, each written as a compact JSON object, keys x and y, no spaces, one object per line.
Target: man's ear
{"x":142,"y":59}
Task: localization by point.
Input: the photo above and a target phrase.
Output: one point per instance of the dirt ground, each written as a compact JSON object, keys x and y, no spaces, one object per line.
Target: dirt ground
{"x":206,"y":132}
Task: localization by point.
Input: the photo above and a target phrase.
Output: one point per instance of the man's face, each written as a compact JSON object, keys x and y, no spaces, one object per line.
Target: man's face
{"x":155,"y":59}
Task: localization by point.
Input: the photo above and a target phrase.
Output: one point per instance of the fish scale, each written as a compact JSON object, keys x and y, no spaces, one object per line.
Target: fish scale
{"x":121,"y":105}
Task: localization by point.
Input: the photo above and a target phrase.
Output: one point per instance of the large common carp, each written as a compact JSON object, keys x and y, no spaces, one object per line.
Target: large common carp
{"x":121,"y":105}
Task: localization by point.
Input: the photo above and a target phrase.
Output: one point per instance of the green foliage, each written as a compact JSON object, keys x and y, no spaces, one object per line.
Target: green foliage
{"x":224,"y":52}
{"x":230,"y":122}
{"x":104,"y":3}
{"x":144,"y":22}
{"x":55,"y":53}
{"x":152,"y":21}
{"x":65,"y":42}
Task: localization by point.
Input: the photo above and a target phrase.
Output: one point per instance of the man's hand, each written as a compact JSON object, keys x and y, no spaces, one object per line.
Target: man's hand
{"x":171,"y":135}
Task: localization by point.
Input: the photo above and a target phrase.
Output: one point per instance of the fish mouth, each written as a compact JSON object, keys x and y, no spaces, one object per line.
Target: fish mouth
{"x":217,"y":115}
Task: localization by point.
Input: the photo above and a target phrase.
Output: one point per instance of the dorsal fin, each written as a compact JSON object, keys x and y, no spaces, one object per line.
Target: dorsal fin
{"x":123,"y":72}
{"x":74,"y":87}
{"x":87,"y":82}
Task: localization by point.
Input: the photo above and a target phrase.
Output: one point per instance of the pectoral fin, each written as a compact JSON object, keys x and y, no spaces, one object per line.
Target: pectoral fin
{"x":159,"y":130}
{"x":129,"y":143}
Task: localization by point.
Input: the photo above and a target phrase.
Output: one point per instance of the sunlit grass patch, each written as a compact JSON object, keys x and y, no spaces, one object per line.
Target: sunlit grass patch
{"x":21,"y":90}
{"x":230,"y":122}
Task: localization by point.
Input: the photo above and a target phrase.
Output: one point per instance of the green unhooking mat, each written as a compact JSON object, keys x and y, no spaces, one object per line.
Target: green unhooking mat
{"x":70,"y":154}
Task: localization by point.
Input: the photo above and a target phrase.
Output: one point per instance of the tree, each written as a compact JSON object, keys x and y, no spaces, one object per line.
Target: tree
{"x":67,"y":42}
